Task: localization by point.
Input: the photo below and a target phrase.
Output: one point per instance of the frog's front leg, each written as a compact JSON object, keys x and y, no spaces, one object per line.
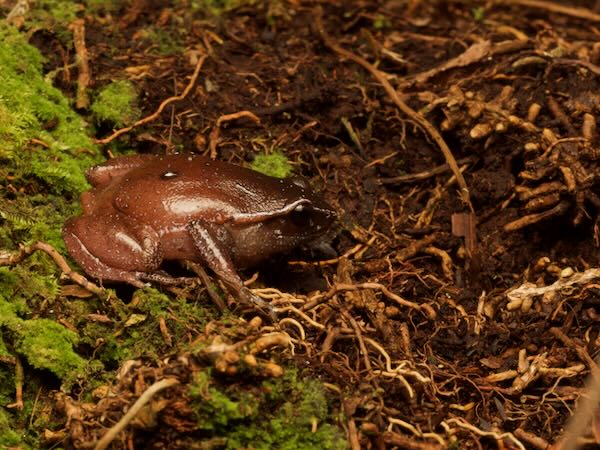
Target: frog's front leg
{"x":212,"y":243}
{"x":108,"y":250}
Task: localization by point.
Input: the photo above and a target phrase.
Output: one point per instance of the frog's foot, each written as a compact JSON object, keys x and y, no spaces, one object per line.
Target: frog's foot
{"x":163,"y":278}
{"x":265,"y":308}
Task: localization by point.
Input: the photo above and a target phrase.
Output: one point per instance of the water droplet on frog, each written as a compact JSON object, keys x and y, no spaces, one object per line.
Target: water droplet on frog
{"x":169,"y":175}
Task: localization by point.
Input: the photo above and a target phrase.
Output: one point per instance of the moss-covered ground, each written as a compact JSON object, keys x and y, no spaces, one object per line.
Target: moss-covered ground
{"x":454,"y":302}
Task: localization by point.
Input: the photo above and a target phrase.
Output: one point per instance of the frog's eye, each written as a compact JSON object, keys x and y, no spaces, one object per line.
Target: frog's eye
{"x":300,"y":216}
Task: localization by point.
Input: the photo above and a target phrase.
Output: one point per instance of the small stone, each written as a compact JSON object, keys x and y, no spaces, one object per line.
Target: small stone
{"x":567,"y":272}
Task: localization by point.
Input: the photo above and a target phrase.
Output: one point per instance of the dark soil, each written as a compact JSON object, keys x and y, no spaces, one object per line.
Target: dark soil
{"x":472,"y":365}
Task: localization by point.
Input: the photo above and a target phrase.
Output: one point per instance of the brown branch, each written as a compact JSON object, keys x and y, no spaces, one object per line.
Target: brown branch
{"x":471,"y":55}
{"x":530,"y":219}
{"x":359,"y":338}
{"x":426,"y":309}
{"x":579,"y":13}
{"x":414,"y":177}
{"x":407,"y":443}
{"x":415,"y":116}
{"x":579,"y":349}
{"x":531,"y":439}
{"x":588,"y":405}
{"x":576,"y":62}
{"x":11,"y":258}
{"x":19,"y":377}
{"x":214,"y":134}
{"x":160,"y":109}
{"x":135,"y":409}
{"x":83,"y":66}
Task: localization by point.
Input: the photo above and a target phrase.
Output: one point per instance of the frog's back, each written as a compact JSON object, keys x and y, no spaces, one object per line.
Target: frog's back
{"x":177,"y":188}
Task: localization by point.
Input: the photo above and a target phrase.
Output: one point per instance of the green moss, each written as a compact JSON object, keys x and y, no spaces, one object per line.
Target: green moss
{"x":162,"y":41}
{"x":104,"y":6}
{"x":290,"y":426}
{"x":42,"y":342}
{"x":33,"y":218}
{"x":114,"y":348}
{"x":217,"y":7}
{"x":7,"y":386}
{"x":27,"y":104}
{"x":380,"y":22}
{"x":275,"y":165}
{"x":280,"y":415}
{"x":125,"y":339}
{"x":151,"y":301}
{"x":115,"y":351}
{"x":214,"y":409}
{"x":53,"y":15}
{"x":3,"y":349}
{"x":33,"y":112}
{"x":48,"y":345}
{"x":478,"y":14}
{"x":8,"y":436}
{"x":157,"y":305}
{"x":16,"y":426}
{"x":9,"y":286}
{"x":142,"y":336}
{"x":27,"y":285}
{"x":116,"y":104}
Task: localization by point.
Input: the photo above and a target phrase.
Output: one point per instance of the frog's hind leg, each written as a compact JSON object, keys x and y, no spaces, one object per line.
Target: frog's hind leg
{"x":109,"y":252}
{"x":102,"y":174}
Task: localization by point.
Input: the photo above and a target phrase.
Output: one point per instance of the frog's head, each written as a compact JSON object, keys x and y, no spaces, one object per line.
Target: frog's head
{"x":307,"y":214}
{"x":291,"y":215}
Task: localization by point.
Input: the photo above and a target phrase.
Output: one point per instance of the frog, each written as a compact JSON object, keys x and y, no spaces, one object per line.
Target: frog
{"x":145,"y":209}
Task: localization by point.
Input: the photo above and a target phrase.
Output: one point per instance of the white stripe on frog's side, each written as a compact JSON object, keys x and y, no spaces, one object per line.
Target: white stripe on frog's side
{"x":241,"y":218}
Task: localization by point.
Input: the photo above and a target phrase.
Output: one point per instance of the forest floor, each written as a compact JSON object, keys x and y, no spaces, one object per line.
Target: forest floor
{"x":457,"y":142}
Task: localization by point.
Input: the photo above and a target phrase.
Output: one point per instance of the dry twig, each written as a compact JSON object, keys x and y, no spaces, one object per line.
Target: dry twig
{"x":214,"y":134}
{"x":340,"y":287}
{"x":532,"y":439}
{"x":580,"y":13}
{"x":415,"y":177}
{"x":474,"y":53}
{"x":83,"y":66}
{"x":19,"y":377}
{"x":160,"y":109}
{"x":462,"y":423}
{"x":11,"y":258}
{"x":112,"y":433}
{"x":583,"y":415}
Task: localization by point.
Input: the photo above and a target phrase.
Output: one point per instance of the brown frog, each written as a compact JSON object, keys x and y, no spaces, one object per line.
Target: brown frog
{"x":146,"y":209}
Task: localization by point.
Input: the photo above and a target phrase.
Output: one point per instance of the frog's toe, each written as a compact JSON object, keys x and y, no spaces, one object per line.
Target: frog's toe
{"x":163,"y":278}
{"x":257,"y":303}
{"x":134,"y":280}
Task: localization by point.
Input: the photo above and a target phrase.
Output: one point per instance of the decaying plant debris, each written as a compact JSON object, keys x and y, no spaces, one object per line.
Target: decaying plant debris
{"x":457,"y":140}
